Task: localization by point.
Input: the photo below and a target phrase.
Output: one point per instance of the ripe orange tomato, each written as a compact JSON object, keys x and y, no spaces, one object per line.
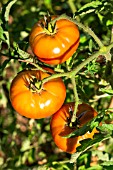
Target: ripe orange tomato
{"x":54,"y":44}
{"x":60,"y":126}
{"x":33,"y":101}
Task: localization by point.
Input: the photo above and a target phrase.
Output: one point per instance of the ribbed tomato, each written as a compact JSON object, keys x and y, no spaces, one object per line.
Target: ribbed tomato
{"x":33,"y":101}
{"x":54,"y":44}
{"x":60,"y":126}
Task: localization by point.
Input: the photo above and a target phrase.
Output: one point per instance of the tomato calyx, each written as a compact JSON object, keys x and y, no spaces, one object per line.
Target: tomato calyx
{"x":48,"y":26}
{"x":34,"y":85}
{"x":77,"y":122}
{"x":73,"y":125}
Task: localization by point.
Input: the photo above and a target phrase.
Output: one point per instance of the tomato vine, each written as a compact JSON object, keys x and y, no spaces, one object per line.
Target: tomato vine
{"x":80,"y":73}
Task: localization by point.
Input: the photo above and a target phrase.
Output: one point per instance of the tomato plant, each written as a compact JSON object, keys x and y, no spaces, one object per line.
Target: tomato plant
{"x":34,"y":100}
{"x":54,"y":43}
{"x":88,"y":76}
{"x":60,"y":126}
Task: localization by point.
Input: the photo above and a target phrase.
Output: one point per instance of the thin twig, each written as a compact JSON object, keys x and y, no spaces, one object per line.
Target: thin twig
{"x":85,"y":28}
{"x":37,"y":67}
{"x":76,"y":99}
{"x":73,"y":72}
{"x":112,"y":34}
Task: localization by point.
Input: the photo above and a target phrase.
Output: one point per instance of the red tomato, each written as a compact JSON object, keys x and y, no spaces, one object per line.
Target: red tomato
{"x":60,"y":126}
{"x":33,"y":101}
{"x":54,"y":45}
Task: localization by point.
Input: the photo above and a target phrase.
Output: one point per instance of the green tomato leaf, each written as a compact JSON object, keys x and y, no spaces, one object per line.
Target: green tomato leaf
{"x":109,"y":22}
{"x":1,"y":34}
{"x":4,"y":65}
{"x":79,"y":132}
{"x":87,"y":127}
{"x":23,"y":54}
{"x":108,"y":91}
{"x":88,"y":8}
{"x":107,"y":128}
{"x":107,"y":163}
{"x":87,"y":143}
{"x":6,"y":15}
{"x":4,"y":36}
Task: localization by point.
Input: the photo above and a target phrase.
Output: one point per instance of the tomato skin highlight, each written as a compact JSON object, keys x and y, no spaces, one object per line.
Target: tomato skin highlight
{"x":59,"y":126}
{"x":36,"y":104}
{"x":57,"y":47}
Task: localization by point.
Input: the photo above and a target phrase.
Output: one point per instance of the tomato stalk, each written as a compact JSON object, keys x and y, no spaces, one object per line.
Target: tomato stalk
{"x":73,"y":8}
{"x":73,"y":118}
{"x":73,"y":72}
{"x":86,"y":29}
{"x":50,"y":27}
{"x":38,"y":85}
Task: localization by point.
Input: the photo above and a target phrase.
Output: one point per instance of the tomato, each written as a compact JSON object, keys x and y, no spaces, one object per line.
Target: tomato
{"x":33,"y":101}
{"x":60,"y":126}
{"x":54,"y":44}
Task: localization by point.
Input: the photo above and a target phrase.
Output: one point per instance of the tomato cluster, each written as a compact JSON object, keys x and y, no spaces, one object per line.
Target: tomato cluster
{"x":53,"y":41}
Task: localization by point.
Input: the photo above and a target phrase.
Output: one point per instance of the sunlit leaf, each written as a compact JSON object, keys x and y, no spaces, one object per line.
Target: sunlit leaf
{"x":1,"y":34}
{"x":87,"y":143}
{"x":25,"y":145}
{"x":7,"y":40}
{"x":108,"y":91}
{"x":109,"y":22}
{"x":107,"y":163}
{"x":22,"y":53}
{"x":106,"y":128}
{"x":6,"y":15}
{"x":87,"y":127}
{"x":90,"y":45}
{"x":89,"y":7}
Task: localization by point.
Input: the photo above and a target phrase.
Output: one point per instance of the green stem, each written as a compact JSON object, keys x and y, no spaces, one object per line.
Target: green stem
{"x":71,"y":74}
{"x":72,"y":5}
{"x":56,"y":75}
{"x":76,"y":99}
{"x":85,"y":28}
{"x":112,"y":34}
{"x":85,"y":62}
{"x":37,"y":67}
{"x":80,"y":66}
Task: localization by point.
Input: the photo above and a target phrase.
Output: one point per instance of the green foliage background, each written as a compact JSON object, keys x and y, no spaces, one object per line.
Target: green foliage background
{"x":27,"y":144}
